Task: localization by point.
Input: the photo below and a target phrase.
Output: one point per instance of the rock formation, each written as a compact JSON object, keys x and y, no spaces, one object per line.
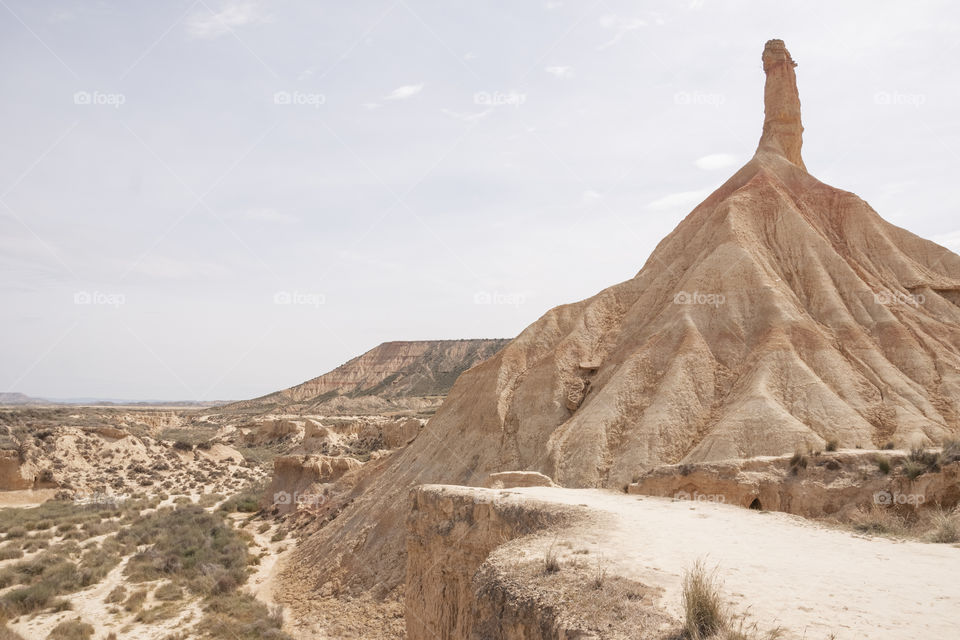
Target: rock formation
{"x":394,"y":375}
{"x":779,"y":314}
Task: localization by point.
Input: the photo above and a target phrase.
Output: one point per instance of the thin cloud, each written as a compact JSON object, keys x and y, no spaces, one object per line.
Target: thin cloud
{"x":466,"y":117}
{"x":404,"y":92}
{"x":622,"y":26}
{"x":207,"y":24}
{"x":560,"y":72}
{"x":715,"y":161}
{"x":680,"y":200}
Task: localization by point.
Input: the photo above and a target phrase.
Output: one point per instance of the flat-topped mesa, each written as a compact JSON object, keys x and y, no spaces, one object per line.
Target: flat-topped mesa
{"x":782,"y":129}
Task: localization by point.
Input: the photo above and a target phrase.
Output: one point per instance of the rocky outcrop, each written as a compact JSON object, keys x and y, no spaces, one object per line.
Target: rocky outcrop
{"x":270,"y":430}
{"x":782,"y":129}
{"x":16,"y":474}
{"x":475,"y":570}
{"x":450,"y":533}
{"x":826,"y":484}
{"x":396,"y":373}
{"x":300,"y":480}
{"x":512,"y":479}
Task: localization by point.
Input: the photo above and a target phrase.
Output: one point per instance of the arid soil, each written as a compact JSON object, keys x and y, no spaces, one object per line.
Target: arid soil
{"x":811,"y":581}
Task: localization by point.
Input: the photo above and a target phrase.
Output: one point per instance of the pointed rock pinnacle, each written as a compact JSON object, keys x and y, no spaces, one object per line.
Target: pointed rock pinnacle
{"x":782,"y":129}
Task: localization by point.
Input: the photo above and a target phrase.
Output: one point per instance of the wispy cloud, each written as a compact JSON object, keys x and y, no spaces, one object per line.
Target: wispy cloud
{"x":560,"y":72}
{"x":550,"y":5}
{"x":466,"y":117}
{"x":208,"y":24}
{"x":715,"y":161}
{"x":404,"y":92}
{"x":681,"y":200}
{"x":620,"y":27}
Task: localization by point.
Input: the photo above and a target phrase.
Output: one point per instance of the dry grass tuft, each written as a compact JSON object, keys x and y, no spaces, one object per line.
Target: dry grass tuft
{"x":704,"y":611}
{"x":551,"y":559}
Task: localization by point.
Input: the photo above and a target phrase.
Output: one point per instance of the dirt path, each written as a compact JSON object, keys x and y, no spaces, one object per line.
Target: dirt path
{"x":811,"y":580}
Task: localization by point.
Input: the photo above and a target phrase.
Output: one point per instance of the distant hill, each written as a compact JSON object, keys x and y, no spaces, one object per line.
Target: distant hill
{"x":412,"y":375}
{"x":11,"y":398}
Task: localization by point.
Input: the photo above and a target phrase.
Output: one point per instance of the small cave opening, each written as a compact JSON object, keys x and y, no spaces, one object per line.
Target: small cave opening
{"x":755,"y":505}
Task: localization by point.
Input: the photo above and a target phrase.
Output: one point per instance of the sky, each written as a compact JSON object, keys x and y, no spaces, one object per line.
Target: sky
{"x":214,"y":200}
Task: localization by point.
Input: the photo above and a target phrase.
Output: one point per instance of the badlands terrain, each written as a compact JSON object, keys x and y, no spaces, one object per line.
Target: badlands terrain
{"x":754,"y":437}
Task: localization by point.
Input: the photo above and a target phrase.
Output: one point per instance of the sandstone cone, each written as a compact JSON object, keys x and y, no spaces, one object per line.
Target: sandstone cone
{"x":779,"y":314}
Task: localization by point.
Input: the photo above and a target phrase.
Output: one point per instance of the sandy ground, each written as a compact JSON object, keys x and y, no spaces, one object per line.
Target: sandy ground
{"x":780,"y":569}
{"x":262,"y":581}
{"x":26,"y":497}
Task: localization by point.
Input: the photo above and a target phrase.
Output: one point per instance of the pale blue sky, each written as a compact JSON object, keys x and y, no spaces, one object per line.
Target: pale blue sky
{"x":173,"y":173}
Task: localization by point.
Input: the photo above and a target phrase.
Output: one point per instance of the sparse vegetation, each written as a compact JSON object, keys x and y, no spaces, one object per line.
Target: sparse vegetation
{"x":117,"y":594}
{"x":239,"y":616}
{"x":706,"y":617}
{"x":599,"y":574}
{"x":551,"y":559}
{"x":71,"y":630}
{"x":798,"y":461}
{"x":946,"y":528}
{"x":883,"y":464}
{"x":703,"y":608}
{"x":913,"y":469}
{"x":246,"y":502}
{"x":831,"y":445}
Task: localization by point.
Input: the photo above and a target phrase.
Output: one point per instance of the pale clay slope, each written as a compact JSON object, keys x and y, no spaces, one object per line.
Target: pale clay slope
{"x":782,"y":570}
{"x":813,"y":341}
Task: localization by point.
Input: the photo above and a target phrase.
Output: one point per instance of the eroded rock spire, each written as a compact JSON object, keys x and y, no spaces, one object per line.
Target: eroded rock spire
{"x":782,"y":129}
